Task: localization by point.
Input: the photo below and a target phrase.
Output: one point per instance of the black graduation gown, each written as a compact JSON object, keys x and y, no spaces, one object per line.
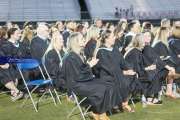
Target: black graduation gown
{"x":110,"y":66}
{"x":158,"y":75}
{"x":148,"y":85}
{"x":163,"y":52}
{"x":127,"y":40}
{"x":25,"y":45}
{"x":7,"y":49}
{"x":79,"y":79}
{"x":6,"y":75}
{"x":38,"y":48}
{"x":89,"y":49}
{"x":53,"y":65}
{"x":119,"y":43}
{"x":135,"y":58}
{"x":65,"y":35}
{"x":174,"y":45}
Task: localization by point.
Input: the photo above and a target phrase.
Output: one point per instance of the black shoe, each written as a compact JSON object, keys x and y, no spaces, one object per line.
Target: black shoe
{"x":159,"y":102}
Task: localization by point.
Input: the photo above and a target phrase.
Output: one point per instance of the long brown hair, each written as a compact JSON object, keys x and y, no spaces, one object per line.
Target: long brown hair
{"x":27,"y":34}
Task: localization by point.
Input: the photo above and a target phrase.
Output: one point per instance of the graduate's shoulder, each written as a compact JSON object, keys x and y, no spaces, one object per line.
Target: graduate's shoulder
{"x":70,"y":57}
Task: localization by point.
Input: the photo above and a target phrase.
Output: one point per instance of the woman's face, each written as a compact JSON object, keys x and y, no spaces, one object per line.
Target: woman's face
{"x":81,"y":42}
{"x":147,"y":37}
{"x":60,"y":26}
{"x":59,"y":41}
{"x":124,"y":26}
{"x":142,"y":42}
{"x":84,"y":30}
{"x":17,"y":35}
{"x":111,"y":28}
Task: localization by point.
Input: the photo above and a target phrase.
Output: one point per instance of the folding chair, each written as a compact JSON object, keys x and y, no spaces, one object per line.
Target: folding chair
{"x":29,"y":64}
{"x":78,"y":106}
{"x":49,"y":77}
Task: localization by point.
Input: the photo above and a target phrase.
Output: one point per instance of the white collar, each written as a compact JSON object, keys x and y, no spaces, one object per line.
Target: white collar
{"x":130,"y":34}
{"x":129,"y":50}
{"x":155,"y":42}
{"x":103,"y":48}
{"x":16,"y":44}
{"x":42,"y":37}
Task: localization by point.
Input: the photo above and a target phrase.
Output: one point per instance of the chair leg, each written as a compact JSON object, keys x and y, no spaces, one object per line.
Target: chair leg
{"x":82,"y":114}
{"x":57,"y":96}
{"x":35,"y":107}
{"x":52,"y":97}
{"x":132,"y":102}
{"x":78,"y":105}
{"x":42,"y":96}
{"x":86,"y":111}
{"x":69,"y":115}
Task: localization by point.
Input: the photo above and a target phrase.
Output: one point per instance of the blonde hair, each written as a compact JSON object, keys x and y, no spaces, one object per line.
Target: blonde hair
{"x":162,"y":35}
{"x":73,"y":42}
{"x":53,"y":44}
{"x":92,"y":33}
{"x":137,"y":42}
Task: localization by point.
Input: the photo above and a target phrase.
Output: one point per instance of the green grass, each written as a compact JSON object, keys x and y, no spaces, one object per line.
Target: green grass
{"x":170,"y":110}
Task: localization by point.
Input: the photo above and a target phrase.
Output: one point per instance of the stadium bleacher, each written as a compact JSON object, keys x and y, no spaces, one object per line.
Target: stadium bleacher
{"x":39,"y":10}
{"x":143,"y":9}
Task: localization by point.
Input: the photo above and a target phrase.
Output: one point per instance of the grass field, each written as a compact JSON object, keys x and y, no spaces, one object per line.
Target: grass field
{"x":170,"y":110}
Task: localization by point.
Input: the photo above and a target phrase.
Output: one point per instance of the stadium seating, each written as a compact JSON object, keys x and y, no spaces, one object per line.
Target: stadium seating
{"x":143,"y":9}
{"x":39,"y":10}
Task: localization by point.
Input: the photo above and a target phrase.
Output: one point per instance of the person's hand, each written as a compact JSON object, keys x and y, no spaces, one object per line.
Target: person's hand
{"x":172,"y":70}
{"x":93,"y":61}
{"x":151,"y":67}
{"x":129,"y":72}
{"x":5,"y":66}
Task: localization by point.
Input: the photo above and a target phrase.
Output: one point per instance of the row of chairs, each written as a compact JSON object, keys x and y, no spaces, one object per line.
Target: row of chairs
{"x":29,"y":64}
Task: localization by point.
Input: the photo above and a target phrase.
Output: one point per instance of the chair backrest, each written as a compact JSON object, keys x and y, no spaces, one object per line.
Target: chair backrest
{"x":26,"y":64}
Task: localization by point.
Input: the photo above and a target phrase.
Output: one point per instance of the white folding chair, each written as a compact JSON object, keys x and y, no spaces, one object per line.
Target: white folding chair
{"x":78,"y":106}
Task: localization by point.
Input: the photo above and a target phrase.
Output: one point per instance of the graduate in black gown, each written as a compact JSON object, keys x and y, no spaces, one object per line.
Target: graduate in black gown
{"x":79,"y":78}
{"x":8,"y":72}
{"x":53,"y":58}
{"x":163,"y":71}
{"x":92,"y":41}
{"x":112,"y":68}
{"x":144,"y":85}
{"x":134,"y":28}
{"x":161,"y":47}
{"x":40,"y":42}
{"x":174,"y":45}
{"x":90,"y":48}
{"x":119,"y":34}
{"x":26,"y":38}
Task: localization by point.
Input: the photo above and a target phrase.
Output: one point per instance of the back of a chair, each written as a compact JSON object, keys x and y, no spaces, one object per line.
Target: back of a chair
{"x":26,"y":64}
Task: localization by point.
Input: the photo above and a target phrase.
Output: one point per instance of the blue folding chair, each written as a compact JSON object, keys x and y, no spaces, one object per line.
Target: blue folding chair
{"x":29,"y":64}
